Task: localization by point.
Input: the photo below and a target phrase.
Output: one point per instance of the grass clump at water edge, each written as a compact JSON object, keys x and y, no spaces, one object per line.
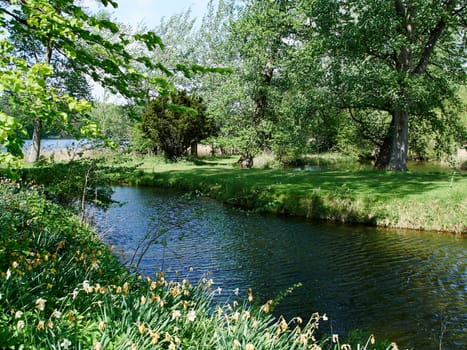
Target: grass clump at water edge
{"x":61,"y":288}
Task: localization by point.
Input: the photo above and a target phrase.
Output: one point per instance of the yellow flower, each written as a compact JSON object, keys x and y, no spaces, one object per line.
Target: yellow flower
{"x":283,"y":325}
{"x":126,"y":287}
{"x":154,"y":338}
{"x":266,"y":307}
{"x":101,"y":325}
{"x":236,"y":344}
{"x":40,"y":304}
{"x":50,"y":324}
{"x":303,"y":339}
{"x":97,"y":346}
{"x":172,"y":346}
{"x":40,"y":325}
{"x":249,"y":346}
{"x":141,"y":328}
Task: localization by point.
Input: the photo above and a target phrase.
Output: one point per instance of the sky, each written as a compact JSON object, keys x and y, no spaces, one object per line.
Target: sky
{"x":150,"y":12}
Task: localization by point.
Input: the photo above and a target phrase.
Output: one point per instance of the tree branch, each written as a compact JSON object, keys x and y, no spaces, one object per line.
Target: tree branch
{"x":432,"y":40}
{"x":365,"y":132}
{"x":14,"y":16}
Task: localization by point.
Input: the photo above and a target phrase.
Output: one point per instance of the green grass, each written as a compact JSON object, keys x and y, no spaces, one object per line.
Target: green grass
{"x":61,"y":288}
{"x":411,"y":200}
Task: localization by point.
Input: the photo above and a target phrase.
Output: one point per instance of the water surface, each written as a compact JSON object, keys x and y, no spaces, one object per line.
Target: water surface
{"x":405,"y":286}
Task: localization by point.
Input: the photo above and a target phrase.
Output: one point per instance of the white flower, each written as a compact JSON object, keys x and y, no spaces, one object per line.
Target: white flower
{"x":20,"y":324}
{"x":8,"y":274}
{"x":56,"y":314}
{"x":18,"y":314}
{"x":87,"y":287}
{"x":191,"y":316}
{"x":65,"y":343}
{"x":176,"y":314}
{"x":40,"y":304}
{"x":325,"y":318}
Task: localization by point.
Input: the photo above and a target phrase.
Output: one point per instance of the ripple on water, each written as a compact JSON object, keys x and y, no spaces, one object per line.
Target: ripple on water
{"x":407,"y":287}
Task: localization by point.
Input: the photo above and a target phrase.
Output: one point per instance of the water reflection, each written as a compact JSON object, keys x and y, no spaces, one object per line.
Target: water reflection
{"x":407,"y":287}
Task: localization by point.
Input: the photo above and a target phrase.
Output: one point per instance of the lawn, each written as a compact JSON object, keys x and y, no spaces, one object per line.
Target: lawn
{"x":413,"y":200}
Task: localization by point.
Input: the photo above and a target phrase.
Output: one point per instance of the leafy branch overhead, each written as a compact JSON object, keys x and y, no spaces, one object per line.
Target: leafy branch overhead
{"x":93,"y":45}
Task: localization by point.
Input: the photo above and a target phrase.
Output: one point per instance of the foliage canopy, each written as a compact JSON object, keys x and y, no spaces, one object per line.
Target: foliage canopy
{"x":175,"y":122}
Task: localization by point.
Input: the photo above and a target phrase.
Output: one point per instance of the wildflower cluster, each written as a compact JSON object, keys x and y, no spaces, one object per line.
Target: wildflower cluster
{"x":61,"y":288}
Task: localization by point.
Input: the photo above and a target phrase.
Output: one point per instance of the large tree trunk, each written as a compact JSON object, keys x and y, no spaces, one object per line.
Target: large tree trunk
{"x":194,"y":149}
{"x":35,"y":151}
{"x":393,"y":152}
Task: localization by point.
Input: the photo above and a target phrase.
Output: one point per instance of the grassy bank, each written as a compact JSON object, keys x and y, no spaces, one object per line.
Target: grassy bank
{"x":61,"y":288}
{"x":412,"y":200}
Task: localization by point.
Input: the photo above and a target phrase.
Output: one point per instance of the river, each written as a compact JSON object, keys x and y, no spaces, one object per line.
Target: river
{"x":408,"y":287}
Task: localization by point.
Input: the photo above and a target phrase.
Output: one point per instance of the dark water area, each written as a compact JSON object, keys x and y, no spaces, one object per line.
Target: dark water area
{"x":408,"y":287}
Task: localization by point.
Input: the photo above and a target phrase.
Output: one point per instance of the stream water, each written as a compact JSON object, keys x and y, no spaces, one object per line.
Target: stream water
{"x":407,"y":287}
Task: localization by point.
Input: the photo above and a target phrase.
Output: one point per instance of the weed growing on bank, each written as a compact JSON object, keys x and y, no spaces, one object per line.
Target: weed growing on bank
{"x":61,"y":288}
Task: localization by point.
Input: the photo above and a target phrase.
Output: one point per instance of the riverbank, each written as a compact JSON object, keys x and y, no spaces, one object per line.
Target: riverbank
{"x":435,"y":201}
{"x":62,"y":288}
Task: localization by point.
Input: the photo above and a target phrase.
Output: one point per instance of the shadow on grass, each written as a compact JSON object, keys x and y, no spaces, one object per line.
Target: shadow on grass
{"x":365,"y":182}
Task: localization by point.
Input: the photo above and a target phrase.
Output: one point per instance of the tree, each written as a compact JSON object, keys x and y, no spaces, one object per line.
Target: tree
{"x":113,"y":120}
{"x":65,"y":79}
{"x":252,"y":39}
{"x":401,"y":58}
{"x":64,"y":27}
{"x":175,"y":122}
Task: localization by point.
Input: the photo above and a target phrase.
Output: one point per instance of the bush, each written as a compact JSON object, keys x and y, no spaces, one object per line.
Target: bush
{"x":176,"y":122}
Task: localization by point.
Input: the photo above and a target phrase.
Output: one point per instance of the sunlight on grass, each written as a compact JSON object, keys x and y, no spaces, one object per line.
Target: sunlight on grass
{"x":415,"y":200}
